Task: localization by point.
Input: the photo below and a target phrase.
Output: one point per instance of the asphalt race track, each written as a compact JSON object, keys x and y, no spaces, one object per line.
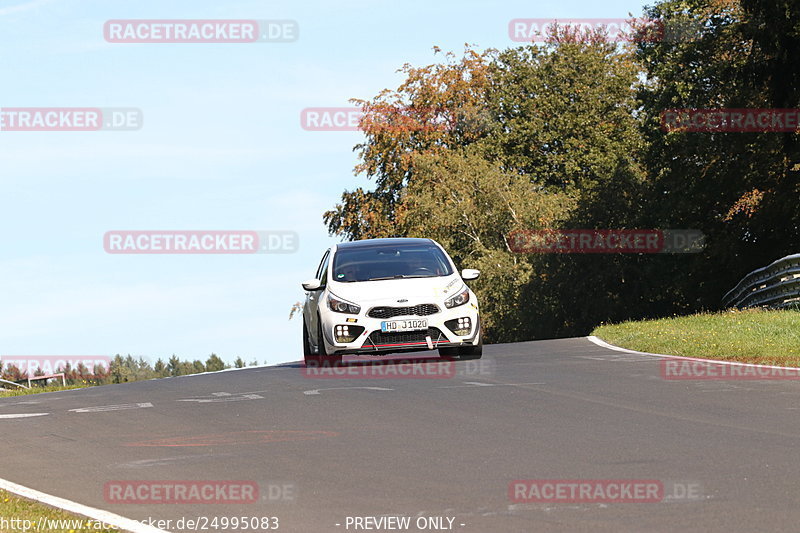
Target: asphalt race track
{"x":442,"y":446}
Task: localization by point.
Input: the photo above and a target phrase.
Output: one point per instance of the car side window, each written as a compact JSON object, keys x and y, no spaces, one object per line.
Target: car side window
{"x":323,"y":265}
{"x":323,"y":276}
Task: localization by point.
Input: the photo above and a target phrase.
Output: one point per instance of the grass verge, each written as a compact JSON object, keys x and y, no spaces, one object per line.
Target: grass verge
{"x":18,"y":514}
{"x":750,"y":336}
{"x":37,"y":390}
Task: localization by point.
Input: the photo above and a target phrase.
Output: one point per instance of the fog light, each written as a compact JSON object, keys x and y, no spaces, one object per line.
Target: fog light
{"x":345,"y":333}
{"x":460,"y":326}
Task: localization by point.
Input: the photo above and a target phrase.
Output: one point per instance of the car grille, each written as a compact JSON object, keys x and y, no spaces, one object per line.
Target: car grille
{"x":414,"y":310}
{"x":405,"y":337}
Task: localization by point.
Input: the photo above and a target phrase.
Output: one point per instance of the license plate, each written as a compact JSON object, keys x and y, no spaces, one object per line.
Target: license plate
{"x":404,"y":325}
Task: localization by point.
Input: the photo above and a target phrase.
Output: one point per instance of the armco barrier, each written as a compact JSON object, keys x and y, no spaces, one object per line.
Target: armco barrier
{"x":775,"y":286}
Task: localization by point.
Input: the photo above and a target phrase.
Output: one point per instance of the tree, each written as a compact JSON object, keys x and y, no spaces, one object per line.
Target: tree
{"x":434,"y":109}
{"x":120,"y":372}
{"x":566,"y":115}
{"x":12,"y":373}
{"x":174,"y":366}
{"x":556,"y":141}
{"x":214,"y":363}
{"x":740,"y":189}
{"x":470,"y":206}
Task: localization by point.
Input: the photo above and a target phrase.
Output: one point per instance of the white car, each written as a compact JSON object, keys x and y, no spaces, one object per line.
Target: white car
{"x":379,"y":296}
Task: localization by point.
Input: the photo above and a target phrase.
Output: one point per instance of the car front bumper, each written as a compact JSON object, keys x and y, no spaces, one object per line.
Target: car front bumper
{"x":445,"y":329}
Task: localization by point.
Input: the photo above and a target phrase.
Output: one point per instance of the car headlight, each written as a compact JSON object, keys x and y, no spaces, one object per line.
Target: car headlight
{"x":342,"y":306}
{"x":459,"y":299}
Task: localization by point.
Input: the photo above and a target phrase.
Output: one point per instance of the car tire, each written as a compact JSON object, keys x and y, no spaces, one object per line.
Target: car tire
{"x":311,"y":358}
{"x":447,"y":352}
{"x":473,"y":351}
{"x":306,"y":345}
{"x":464,"y":353}
{"x":321,"y":358}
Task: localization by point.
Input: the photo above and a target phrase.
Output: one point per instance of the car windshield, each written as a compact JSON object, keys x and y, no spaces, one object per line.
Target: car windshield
{"x":396,"y":261}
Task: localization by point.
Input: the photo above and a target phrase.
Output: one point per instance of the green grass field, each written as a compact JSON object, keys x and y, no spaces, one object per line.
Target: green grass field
{"x":18,"y":514}
{"x":750,"y":336}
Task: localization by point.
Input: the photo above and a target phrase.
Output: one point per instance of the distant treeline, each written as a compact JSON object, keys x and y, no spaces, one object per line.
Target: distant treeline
{"x":124,"y":369}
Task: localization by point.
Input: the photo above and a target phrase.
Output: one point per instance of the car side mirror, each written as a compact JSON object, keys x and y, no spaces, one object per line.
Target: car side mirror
{"x":312,"y":284}
{"x":469,"y":274}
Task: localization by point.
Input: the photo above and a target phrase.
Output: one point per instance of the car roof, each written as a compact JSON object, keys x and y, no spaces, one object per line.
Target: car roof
{"x":378,"y":243}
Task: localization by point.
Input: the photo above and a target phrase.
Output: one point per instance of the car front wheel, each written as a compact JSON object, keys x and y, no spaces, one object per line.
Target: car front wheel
{"x":474,"y":351}
{"x":321,"y":358}
{"x":306,"y":345}
{"x":464,"y":353}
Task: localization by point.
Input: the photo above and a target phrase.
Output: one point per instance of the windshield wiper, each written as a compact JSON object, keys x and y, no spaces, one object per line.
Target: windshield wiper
{"x":404,"y":276}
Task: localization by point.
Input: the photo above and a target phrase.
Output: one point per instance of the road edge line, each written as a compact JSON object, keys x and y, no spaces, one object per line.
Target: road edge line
{"x":600,"y":342}
{"x":99,"y":515}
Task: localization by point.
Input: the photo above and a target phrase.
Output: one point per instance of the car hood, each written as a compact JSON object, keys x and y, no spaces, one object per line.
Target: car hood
{"x":387,"y":292}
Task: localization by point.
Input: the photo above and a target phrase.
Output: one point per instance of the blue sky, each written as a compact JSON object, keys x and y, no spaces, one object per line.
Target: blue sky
{"x":221,"y":148}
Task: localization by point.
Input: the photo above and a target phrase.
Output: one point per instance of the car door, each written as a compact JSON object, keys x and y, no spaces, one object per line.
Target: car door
{"x":310,"y":309}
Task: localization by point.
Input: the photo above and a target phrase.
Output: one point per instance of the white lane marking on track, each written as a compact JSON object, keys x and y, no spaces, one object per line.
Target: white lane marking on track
{"x":164,"y":461}
{"x":98,"y":515}
{"x":23,"y":415}
{"x":104,"y":408}
{"x":316,"y":391}
{"x":617,"y":358}
{"x":223,"y":399}
{"x":473,"y":384}
{"x":220,"y":394}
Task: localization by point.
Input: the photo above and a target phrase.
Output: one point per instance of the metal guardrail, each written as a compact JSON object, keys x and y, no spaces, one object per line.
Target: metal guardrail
{"x":34,"y":378}
{"x":12,"y":383}
{"x":49,"y":376}
{"x":775,"y":286}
